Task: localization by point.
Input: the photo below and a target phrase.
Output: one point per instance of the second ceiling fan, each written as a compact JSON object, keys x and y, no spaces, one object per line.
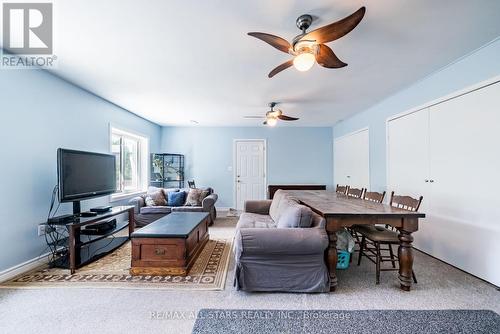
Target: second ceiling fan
{"x":272,"y":116}
{"x":309,"y":47}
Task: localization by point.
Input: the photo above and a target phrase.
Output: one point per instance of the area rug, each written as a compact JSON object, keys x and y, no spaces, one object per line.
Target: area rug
{"x":112,"y":271}
{"x":372,"y":321}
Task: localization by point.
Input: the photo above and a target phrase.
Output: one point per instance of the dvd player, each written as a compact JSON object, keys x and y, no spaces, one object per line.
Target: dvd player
{"x":101,"y":209}
{"x":62,"y":220}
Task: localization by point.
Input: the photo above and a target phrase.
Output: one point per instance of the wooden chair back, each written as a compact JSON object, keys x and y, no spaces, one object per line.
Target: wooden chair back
{"x":405,"y":202}
{"x":356,"y":193}
{"x":191,"y":184}
{"x":342,"y":189}
{"x":374,"y":196}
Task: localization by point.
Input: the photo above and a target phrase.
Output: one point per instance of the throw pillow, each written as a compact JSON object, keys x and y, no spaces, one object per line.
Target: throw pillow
{"x":295,"y":216}
{"x":176,"y":198}
{"x":196,"y":196}
{"x":156,"y":198}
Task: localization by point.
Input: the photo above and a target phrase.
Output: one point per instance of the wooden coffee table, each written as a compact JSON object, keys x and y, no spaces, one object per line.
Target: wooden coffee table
{"x":170,"y":245}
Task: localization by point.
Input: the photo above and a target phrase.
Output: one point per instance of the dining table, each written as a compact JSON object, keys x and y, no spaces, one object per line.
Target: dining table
{"x":341,"y":211}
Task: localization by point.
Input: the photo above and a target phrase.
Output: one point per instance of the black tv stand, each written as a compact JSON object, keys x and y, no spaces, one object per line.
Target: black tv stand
{"x":82,"y":251}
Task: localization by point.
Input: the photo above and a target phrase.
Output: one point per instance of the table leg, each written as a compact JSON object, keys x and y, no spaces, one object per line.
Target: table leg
{"x":72,"y":249}
{"x":405,"y":254}
{"x":331,"y":259}
{"x":131,"y":222}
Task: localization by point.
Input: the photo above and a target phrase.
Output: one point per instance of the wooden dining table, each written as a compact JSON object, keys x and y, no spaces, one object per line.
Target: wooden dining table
{"x":342,"y":211}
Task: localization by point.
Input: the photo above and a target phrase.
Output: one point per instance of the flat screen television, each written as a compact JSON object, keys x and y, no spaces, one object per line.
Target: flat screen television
{"x":84,"y":175}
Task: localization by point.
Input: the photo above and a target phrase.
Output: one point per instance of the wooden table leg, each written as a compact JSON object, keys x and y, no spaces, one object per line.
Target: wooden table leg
{"x":72,"y":249}
{"x":405,"y":253}
{"x":131,"y":222}
{"x":331,"y":259}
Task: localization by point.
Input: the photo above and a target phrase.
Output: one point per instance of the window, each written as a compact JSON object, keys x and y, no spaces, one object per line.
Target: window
{"x":131,"y":152}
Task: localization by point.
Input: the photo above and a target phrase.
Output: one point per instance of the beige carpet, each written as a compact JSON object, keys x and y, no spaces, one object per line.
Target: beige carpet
{"x":112,"y":271}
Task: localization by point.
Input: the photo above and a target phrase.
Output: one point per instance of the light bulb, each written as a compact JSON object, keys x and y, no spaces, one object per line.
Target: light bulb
{"x":271,"y":121}
{"x":304,"y":61}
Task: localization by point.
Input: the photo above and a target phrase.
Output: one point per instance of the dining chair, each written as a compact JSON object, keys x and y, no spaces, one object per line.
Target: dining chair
{"x":371,"y":196}
{"x":374,"y":196}
{"x":342,"y":189}
{"x":374,"y":237}
{"x":354,"y":192}
{"x":191,"y":184}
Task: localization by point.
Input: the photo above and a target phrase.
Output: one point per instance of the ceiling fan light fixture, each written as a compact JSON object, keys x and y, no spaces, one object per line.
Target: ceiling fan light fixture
{"x":271,"y":121}
{"x":304,"y":61}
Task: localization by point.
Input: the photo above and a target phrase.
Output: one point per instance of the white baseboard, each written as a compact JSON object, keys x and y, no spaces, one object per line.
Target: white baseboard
{"x":24,"y":267}
{"x":222,"y":211}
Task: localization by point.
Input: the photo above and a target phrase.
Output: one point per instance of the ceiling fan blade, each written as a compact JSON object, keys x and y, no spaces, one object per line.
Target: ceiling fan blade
{"x":275,"y":41}
{"x":287,"y":118}
{"x":337,"y":29}
{"x":254,"y":117}
{"x":326,"y":58}
{"x":280,"y":68}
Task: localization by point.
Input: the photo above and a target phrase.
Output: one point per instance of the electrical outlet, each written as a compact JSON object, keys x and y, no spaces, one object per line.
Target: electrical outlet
{"x":44,"y":229}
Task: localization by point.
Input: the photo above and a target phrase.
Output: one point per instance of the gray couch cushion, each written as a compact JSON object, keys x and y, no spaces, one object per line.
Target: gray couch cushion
{"x":187,"y":209}
{"x":155,"y":209}
{"x":295,"y":215}
{"x":281,"y":201}
{"x":252,"y":220}
{"x":273,"y":209}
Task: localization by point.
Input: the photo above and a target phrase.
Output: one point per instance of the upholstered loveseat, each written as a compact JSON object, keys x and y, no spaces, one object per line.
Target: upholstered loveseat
{"x":145,"y":215}
{"x":280,"y":246}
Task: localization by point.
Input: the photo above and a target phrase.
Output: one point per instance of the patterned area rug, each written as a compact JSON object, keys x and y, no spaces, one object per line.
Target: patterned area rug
{"x":112,"y":271}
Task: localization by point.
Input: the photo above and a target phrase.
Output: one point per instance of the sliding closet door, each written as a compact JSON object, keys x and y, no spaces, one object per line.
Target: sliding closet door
{"x":465,"y":169}
{"x":352,"y":160}
{"x":408,"y":155}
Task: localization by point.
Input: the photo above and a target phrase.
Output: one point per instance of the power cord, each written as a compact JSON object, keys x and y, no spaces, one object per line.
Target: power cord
{"x":55,"y":235}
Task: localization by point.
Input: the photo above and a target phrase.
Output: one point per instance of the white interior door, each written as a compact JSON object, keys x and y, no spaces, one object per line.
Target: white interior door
{"x":351,"y":160}
{"x":250,"y":182}
{"x":464,"y":215}
{"x":408,"y":155}
{"x":408,"y":165}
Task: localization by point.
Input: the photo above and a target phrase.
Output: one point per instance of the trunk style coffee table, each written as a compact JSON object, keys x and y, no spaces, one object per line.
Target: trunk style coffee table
{"x":170,"y":245}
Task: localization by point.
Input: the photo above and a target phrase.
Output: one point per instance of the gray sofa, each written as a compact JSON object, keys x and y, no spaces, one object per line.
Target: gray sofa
{"x":145,"y":215}
{"x":280,"y":246}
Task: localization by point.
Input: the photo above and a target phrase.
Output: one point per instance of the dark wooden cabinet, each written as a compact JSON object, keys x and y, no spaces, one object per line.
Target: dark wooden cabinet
{"x":167,"y":252}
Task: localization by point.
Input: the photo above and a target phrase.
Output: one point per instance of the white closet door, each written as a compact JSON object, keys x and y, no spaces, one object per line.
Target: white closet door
{"x":465,"y":167}
{"x":352,"y":160}
{"x":408,"y":156}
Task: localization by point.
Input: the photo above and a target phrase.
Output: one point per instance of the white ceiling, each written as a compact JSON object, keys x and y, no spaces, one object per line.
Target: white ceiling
{"x":177,"y":60}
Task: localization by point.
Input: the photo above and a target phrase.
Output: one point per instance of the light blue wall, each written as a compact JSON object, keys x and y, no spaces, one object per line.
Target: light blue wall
{"x":479,"y":66}
{"x":294,"y":154}
{"x":38,"y":114}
